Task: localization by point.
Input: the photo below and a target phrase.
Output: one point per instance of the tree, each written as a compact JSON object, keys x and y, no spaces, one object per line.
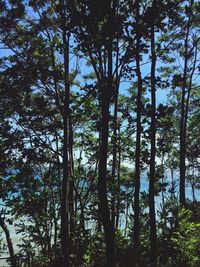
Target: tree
{"x":138,"y":135}
{"x":152,"y":221}
{"x":98,"y":42}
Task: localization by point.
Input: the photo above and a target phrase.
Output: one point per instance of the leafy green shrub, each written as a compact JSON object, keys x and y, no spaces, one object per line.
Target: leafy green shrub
{"x":186,"y":241}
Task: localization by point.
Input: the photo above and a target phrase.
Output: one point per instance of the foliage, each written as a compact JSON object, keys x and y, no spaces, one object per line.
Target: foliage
{"x":77,"y":119}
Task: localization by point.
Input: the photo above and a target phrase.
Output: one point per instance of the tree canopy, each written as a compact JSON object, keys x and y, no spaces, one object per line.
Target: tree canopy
{"x":100,"y":146}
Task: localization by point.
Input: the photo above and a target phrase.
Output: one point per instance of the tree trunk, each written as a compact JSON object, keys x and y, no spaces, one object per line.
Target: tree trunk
{"x":102,"y":187}
{"x":9,"y":243}
{"x":114,"y":160}
{"x":66,"y":146}
{"x":152,"y":222}
{"x":114,"y":163}
{"x":182,"y":166}
{"x":192,"y":181}
{"x":163,"y":194}
{"x":138,"y":141}
{"x":118,"y":183}
{"x":106,"y":87}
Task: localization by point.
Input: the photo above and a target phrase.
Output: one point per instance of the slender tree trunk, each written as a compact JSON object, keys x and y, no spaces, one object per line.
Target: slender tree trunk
{"x":9,"y":243}
{"x":189,"y":90}
{"x":114,"y":163}
{"x":102,"y":187}
{"x":173,"y":197}
{"x":153,"y":236}
{"x":182,"y":166}
{"x":71,"y":190}
{"x":126,"y":216}
{"x":193,"y":184}
{"x":163,"y":193}
{"x":106,"y":92}
{"x":193,"y":192}
{"x":118,"y":184}
{"x":138,"y":141}
{"x":66,"y":147}
{"x":55,"y":232}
